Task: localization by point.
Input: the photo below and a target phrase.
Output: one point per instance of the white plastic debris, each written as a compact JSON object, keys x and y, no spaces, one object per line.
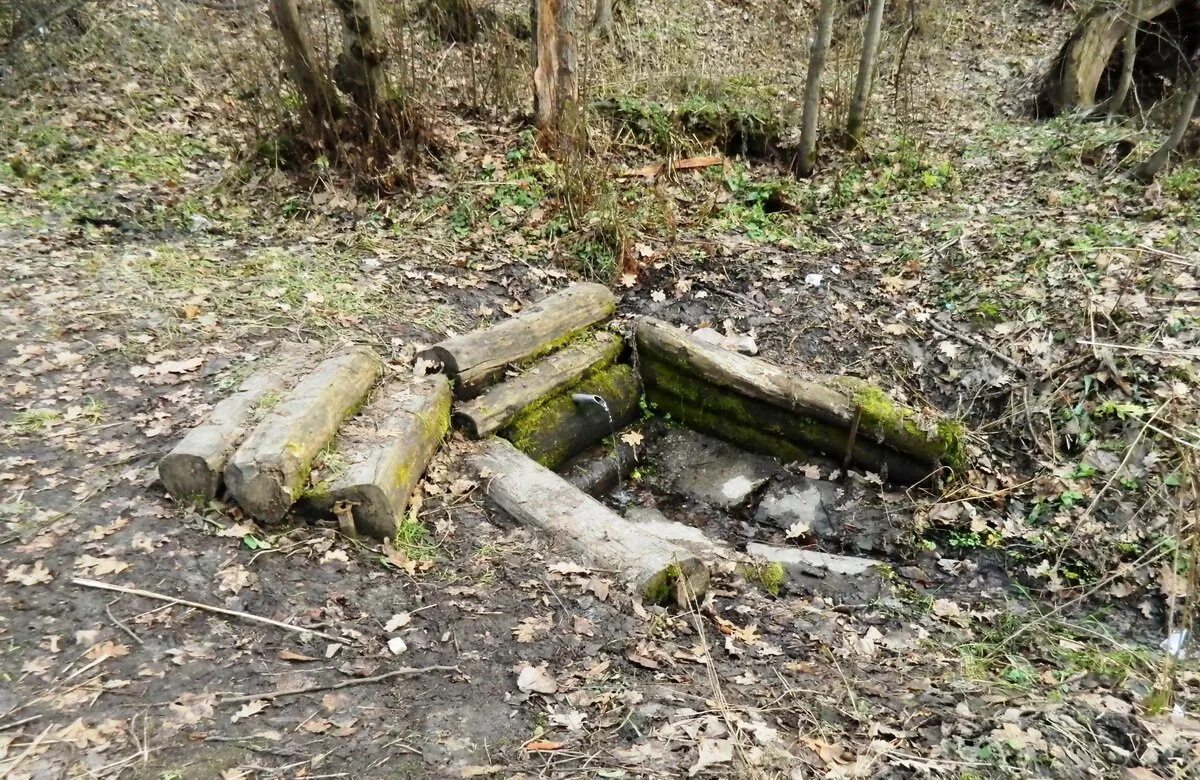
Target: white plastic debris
{"x":1176,"y":644}
{"x":814,"y":280}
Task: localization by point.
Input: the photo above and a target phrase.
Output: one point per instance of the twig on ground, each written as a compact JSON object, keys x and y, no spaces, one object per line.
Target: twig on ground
{"x":128,"y":632}
{"x":149,"y":594}
{"x":406,"y":671}
{"x":16,"y":723}
{"x":974,"y":342}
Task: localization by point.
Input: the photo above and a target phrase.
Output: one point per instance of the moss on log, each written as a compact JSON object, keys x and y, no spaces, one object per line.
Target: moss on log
{"x":473,"y":360}
{"x":766,"y":429}
{"x":387,"y":448}
{"x":193,"y":469}
{"x":555,"y":428}
{"x":486,"y":414}
{"x":270,"y":469}
{"x":836,"y":402}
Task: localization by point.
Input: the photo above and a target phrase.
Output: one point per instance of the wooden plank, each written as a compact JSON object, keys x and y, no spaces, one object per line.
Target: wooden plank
{"x":192,"y":470}
{"x":387,"y":448}
{"x":473,"y":360}
{"x":536,"y":496}
{"x":491,"y":411}
{"x":843,"y":402}
{"x":268,"y":471}
{"x":558,"y":427}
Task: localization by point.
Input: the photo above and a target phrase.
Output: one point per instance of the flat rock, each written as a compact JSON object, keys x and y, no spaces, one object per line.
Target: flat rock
{"x":814,"y":559}
{"x":654,"y":523}
{"x":842,"y":579}
{"x":710,"y":471}
{"x":805,"y":501}
{"x":833,"y":512}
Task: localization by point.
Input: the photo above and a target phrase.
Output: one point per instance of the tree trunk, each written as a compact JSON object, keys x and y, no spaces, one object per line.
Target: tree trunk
{"x":807,"y":159}
{"x":555,"y":89}
{"x":602,"y":21}
{"x":866,"y":72}
{"x":1149,"y":168}
{"x":1125,"y":81}
{"x":360,"y":72}
{"x":321,"y":103}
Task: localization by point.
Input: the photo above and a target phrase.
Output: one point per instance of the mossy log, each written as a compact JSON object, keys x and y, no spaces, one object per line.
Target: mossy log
{"x":558,"y":427}
{"x":387,"y":448}
{"x":488,"y":413}
{"x":534,"y":495}
{"x":269,"y":470}
{"x":193,"y":469}
{"x":475,"y":359}
{"x":841,"y":403}
{"x":1075,"y":79}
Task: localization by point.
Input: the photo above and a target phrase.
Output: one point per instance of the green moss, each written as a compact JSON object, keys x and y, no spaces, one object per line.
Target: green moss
{"x":770,"y":576}
{"x":886,"y":418}
{"x":533,"y":430}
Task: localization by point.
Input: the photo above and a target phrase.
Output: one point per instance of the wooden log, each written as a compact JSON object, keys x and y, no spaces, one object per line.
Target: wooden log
{"x":475,"y":359}
{"x":270,"y":468}
{"x":558,"y":427}
{"x":759,"y":427}
{"x":192,"y":470}
{"x":842,"y":402}
{"x":534,"y":495}
{"x":387,"y":448}
{"x":488,"y":413}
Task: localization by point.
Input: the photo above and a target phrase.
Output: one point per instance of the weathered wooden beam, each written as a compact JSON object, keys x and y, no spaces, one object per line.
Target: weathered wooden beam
{"x":495,"y":408}
{"x":842,"y":402}
{"x":769,"y":430}
{"x":560,"y":426}
{"x":269,"y":470}
{"x":474,"y":359}
{"x":193,"y":469}
{"x":536,"y":496}
{"x":386,"y":448}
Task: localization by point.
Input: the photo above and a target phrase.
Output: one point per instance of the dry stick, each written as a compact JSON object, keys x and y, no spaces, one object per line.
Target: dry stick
{"x":974,"y":342}
{"x":15,"y":723}
{"x":120,"y":625}
{"x":405,"y":671}
{"x":149,"y":594}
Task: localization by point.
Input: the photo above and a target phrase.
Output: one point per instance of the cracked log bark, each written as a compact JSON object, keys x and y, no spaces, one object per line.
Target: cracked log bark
{"x":192,"y":470}
{"x":360,"y":73}
{"x":388,"y":446}
{"x":555,"y":86}
{"x":475,"y":359}
{"x":533,"y":495}
{"x":321,"y":102}
{"x":491,"y":411}
{"x":269,"y":470}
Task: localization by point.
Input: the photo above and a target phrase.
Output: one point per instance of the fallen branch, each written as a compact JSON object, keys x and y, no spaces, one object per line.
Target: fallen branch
{"x":149,"y":594}
{"x":654,"y":169}
{"x":974,"y":342}
{"x":404,"y":671}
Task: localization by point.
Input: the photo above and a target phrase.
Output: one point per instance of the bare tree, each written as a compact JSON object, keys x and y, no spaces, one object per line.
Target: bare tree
{"x":1125,"y":80}
{"x":1150,"y":167}
{"x":322,"y":105}
{"x":359,"y":71}
{"x":866,"y":72}
{"x":807,"y":159}
{"x":555,"y":86}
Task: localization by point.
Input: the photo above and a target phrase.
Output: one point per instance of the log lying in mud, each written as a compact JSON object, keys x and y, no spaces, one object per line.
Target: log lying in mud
{"x":533,"y":495}
{"x":491,"y":411}
{"x":269,"y":470}
{"x":193,"y":469}
{"x":387,"y":446}
{"x":560,"y":426}
{"x":474,"y":359}
{"x":763,"y":407}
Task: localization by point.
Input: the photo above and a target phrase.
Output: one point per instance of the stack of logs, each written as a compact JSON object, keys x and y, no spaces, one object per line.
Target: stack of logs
{"x":548,"y":380}
{"x":261,"y":442}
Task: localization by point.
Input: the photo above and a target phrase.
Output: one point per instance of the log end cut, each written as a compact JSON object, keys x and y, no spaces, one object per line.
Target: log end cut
{"x":189,"y":477}
{"x":259,"y":489}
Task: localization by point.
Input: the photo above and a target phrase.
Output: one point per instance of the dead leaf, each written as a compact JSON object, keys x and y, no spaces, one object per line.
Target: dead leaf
{"x":536,"y":679}
{"x":289,"y":655}
{"x":398,"y":621}
{"x":26,"y":574}
{"x":100,"y":566}
{"x":712,"y":751}
{"x":543,"y":746}
{"x":528,"y":629}
{"x":249,"y":709}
